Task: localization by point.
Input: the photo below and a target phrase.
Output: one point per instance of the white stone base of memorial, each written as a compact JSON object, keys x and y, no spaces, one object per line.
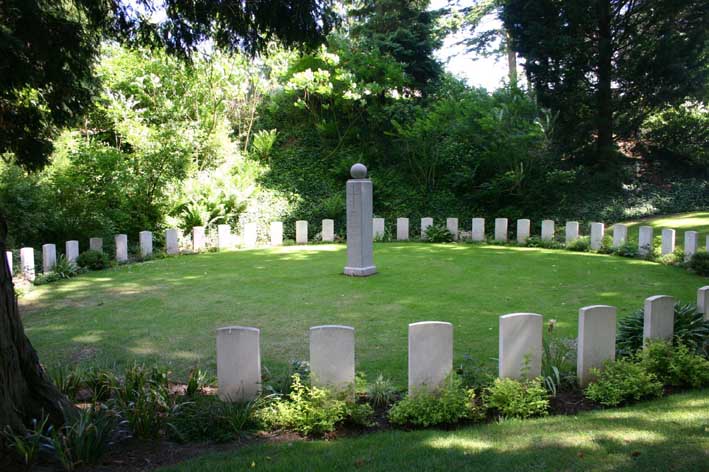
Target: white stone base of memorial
{"x":360,"y":271}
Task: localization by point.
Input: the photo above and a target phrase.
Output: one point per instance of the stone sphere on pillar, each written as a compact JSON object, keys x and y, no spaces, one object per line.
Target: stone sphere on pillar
{"x":358,"y":171}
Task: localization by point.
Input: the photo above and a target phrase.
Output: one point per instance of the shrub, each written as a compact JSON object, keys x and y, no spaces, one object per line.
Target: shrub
{"x":29,"y":444}
{"x":381,"y":393}
{"x":558,"y":361}
{"x":359,"y":414}
{"x":101,"y":383}
{"x":65,"y":269}
{"x":582,"y":244}
{"x":475,"y":373}
{"x":627,"y":250}
{"x":622,"y":381}
{"x":438,"y":234}
{"x":674,"y":365}
{"x":449,"y":404}
{"x":68,"y":381}
{"x":690,"y":329}
{"x":93,"y":260}
{"x":512,"y":398}
{"x":85,"y":439}
{"x":282,"y":383}
{"x":145,"y":400}
{"x":699,"y":263}
{"x":209,"y":418}
{"x":536,"y":241}
{"x":47,"y":278}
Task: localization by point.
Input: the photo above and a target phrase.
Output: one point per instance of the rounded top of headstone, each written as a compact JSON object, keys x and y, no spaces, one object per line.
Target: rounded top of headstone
{"x":358,"y":171}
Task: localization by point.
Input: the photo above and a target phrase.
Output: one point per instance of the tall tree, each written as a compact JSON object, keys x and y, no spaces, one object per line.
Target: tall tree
{"x":48,"y":50}
{"x":606,"y":64}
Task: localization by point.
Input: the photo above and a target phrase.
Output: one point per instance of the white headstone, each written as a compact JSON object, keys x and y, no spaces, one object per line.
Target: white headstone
{"x":250,"y":235}
{"x":572,"y":231}
{"x":224,"y":240}
{"x":645,"y":240}
{"x":8,"y":258}
{"x":425,"y":223}
{"x":452,"y":226}
{"x":72,"y":250}
{"x":668,"y":241}
{"x":620,"y":235}
{"x":597,"y":231}
{"x":402,"y":229}
{"x":27,"y":263}
{"x":238,"y":363}
{"x":332,"y":357}
{"x":49,"y":257}
{"x":378,"y":228}
{"x":596,"y":340}
{"x":172,"y":245}
{"x":328,"y":231}
{"x":478,"y":229}
{"x":520,"y":348}
{"x":96,"y":244}
{"x":276,"y":233}
{"x":690,"y":244}
{"x":199,"y":239}
{"x":121,"y":247}
{"x":659,"y":320}
{"x":301,"y":232}
{"x":430,"y":354}
{"x":360,"y":249}
{"x":146,"y":243}
{"x":547,"y":230}
{"x":523,"y":229}
{"x":703,"y":301}
{"x":500,"y":229}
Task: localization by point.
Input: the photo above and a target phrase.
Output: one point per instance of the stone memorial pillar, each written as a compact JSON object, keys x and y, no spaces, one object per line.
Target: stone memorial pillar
{"x":402,"y":229}
{"x":49,"y":257}
{"x":199,"y":240}
{"x":425,"y":223}
{"x":146,"y":243}
{"x":224,"y":240}
{"x":523,"y":231}
{"x":500,"y":229}
{"x":547,"y":230}
{"x":72,"y":251}
{"x":360,"y":251}
{"x":430,"y":354}
{"x":276,"y":233}
{"x":597,"y":230}
{"x":96,"y":244}
{"x":620,"y":235}
{"x":8,"y":258}
{"x":659,"y":320}
{"x":452,"y":226}
{"x":328,"y":231}
{"x":250,"y":235}
{"x":378,"y":228}
{"x":596,"y":340}
{"x":690,"y":244}
{"x":238,"y":363}
{"x":520,"y":344}
{"x":645,"y":240}
{"x":703,"y":301}
{"x":301,"y":232}
{"x":572,"y":231}
{"x":668,"y":241}
{"x":478,"y":232}
{"x":27,"y":263}
{"x":121,"y":247}
{"x":332,"y":357}
{"x":172,"y":246}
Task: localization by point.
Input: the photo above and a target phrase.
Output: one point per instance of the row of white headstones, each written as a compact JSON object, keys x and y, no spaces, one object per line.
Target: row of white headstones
{"x":430,"y":350}
{"x":226,"y":239}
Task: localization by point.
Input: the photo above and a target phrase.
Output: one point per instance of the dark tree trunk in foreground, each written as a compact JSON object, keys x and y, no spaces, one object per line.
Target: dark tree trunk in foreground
{"x":26,"y":391}
{"x":605,"y":108}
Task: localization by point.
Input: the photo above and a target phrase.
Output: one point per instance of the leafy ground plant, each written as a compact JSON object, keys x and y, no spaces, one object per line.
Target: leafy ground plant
{"x":622,"y":381}
{"x":512,"y":398}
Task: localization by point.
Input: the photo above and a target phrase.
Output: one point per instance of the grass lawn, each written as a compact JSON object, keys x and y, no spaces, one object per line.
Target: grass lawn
{"x":696,"y":221}
{"x":167,"y":310}
{"x":662,"y":435}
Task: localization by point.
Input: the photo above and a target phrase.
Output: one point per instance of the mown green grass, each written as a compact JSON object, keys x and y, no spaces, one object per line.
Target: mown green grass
{"x":682,"y":222}
{"x":166,"y":311}
{"x":669,"y":434}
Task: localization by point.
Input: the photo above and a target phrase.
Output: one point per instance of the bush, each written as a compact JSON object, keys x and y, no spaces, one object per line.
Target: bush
{"x":101,"y":383}
{"x":145,"y":400}
{"x":93,"y":260}
{"x":558,"y":361}
{"x":65,"y":269}
{"x":381,"y":393}
{"x":209,"y":418}
{"x":475,"y":373}
{"x":438,"y":234}
{"x":627,"y":250}
{"x":68,"y":381}
{"x":536,"y":241}
{"x":512,"y":398}
{"x":690,"y":329}
{"x":29,"y":444}
{"x":622,"y":381}
{"x":48,"y":278}
{"x":699,"y":263}
{"x":582,"y":244}
{"x":674,"y":365}
{"x":84,"y":440}
{"x":449,"y":404}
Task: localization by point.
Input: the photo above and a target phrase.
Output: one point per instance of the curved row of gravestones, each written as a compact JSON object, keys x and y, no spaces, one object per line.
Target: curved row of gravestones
{"x":226,"y":239}
{"x":332,"y":348}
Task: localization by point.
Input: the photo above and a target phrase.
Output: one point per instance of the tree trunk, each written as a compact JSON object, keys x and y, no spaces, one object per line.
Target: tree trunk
{"x":26,"y":391}
{"x":604,"y":142}
{"x":511,"y":59}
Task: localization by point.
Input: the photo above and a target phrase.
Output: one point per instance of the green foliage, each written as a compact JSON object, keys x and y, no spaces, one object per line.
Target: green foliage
{"x":282,"y":382}
{"x":208,"y":418}
{"x":48,"y":278}
{"x":145,"y":400}
{"x":474,"y":373}
{"x":382,"y":392}
{"x":196,"y":381}
{"x":621,"y":381}
{"x":629,"y":249}
{"x":536,"y":241}
{"x":512,"y":398}
{"x":86,"y":438}
{"x":690,"y":329}
{"x":29,"y":444}
{"x":558,"y":361}
{"x":101,"y":383}
{"x":64,"y":268}
{"x":93,"y":260}
{"x":449,"y":404}
{"x":437,"y":233}
{"x":674,"y":365}
{"x":359,"y":414}
{"x":582,"y":244}
{"x":68,"y":381}
{"x":699,"y":263}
